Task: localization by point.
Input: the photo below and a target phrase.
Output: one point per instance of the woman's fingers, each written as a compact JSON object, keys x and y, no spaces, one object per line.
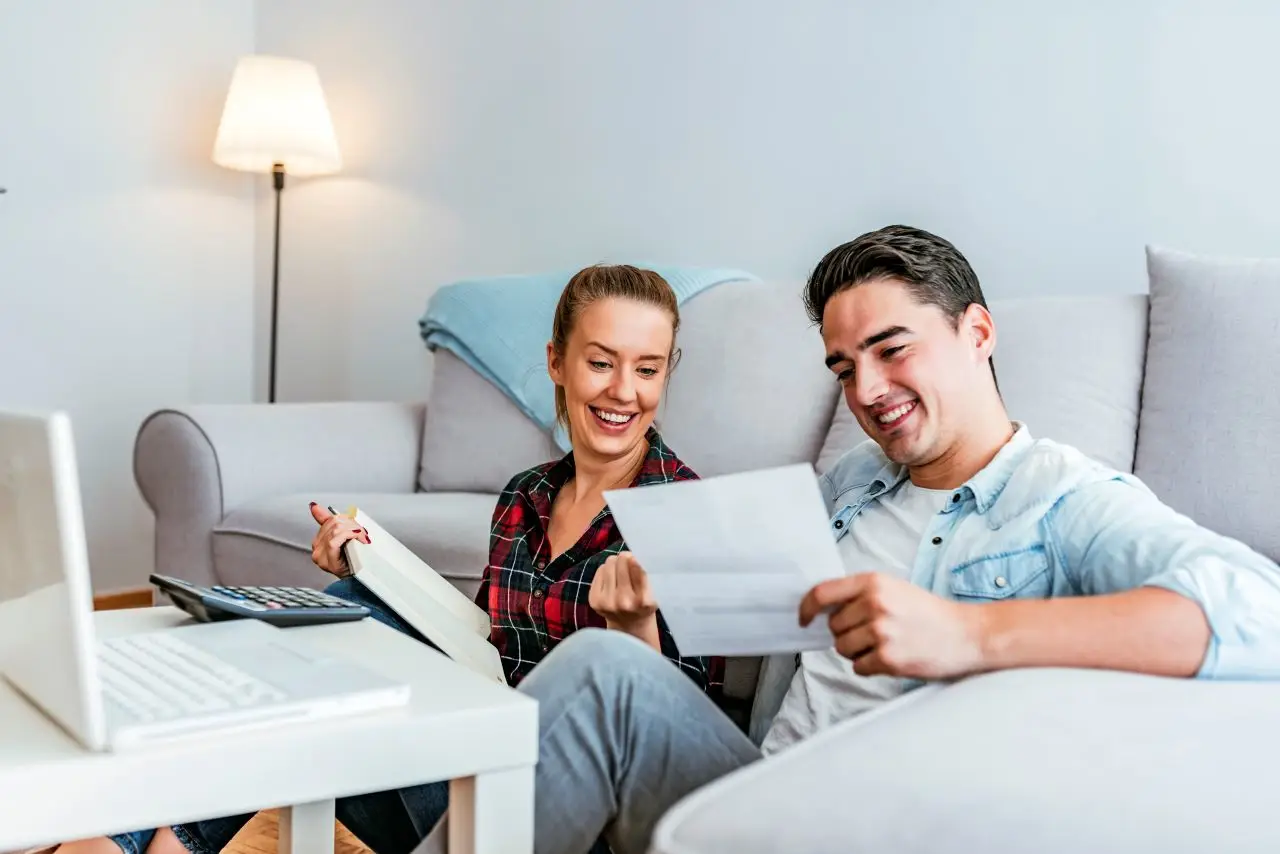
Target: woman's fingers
{"x":624,"y":594}
{"x":320,"y":514}
{"x":600,"y":597}
{"x":638,"y":580}
{"x":333,"y":534}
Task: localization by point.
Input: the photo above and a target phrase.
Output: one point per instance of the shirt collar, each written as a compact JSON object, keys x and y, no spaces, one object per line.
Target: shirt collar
{"x":659,"y":466}
{"x":986,"y":485}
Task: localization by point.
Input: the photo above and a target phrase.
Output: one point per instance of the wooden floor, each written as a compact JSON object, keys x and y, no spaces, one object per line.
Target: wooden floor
{"x":261,"y":835}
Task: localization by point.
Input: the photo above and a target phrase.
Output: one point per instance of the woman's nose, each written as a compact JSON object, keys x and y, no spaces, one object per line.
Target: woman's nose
{"x":622,"y":387}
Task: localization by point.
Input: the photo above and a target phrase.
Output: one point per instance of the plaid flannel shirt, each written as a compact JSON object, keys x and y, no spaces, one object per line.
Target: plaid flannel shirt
{"x":534,"y":602}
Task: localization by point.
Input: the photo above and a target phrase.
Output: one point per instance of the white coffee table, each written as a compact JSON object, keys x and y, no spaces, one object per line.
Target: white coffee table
{"x":460,"y":727}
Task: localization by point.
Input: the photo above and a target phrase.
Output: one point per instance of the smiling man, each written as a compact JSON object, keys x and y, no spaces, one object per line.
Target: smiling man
{"x":969,"y":546}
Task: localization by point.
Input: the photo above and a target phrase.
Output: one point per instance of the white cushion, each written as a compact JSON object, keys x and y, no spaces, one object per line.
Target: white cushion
{"x":1212,"y":401}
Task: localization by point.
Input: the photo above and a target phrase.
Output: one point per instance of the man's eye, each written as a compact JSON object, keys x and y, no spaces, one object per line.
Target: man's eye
{"x":890,"y":352}
{"x":845,"y":375}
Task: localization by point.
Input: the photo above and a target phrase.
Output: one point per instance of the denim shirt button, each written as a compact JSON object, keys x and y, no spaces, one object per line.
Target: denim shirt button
{"x":1001,"y":581}
{"x":955,"y":499}
{"x":839,"y":524}
{"x":937,"y":541}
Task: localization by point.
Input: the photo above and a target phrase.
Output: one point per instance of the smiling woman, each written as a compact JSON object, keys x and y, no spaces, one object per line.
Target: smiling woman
{"x":611,"y":351}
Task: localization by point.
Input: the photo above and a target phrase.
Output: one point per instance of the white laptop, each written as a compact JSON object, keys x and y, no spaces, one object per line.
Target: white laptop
{"x":153,"y":687}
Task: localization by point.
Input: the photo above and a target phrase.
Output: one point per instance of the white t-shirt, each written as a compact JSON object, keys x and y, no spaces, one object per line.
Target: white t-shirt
{"x":884,"y":537}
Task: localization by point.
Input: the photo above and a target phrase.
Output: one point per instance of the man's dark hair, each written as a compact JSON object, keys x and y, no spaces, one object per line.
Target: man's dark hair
{"x":933,"y":271}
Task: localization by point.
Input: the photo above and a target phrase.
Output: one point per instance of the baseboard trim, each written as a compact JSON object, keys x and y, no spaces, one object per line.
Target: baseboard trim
{"x":138,"y":597}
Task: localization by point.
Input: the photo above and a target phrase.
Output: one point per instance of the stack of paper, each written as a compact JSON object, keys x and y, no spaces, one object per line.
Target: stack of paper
{"x":729,"y":558}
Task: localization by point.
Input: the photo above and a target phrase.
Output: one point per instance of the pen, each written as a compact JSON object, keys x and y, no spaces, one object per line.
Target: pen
{"x":351,"y":511}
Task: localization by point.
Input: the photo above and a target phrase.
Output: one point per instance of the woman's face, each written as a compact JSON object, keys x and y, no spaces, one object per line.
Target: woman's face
{"x":613,"y":371}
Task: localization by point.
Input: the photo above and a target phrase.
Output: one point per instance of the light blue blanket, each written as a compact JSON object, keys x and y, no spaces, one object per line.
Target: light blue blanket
{"x":500,"y":326}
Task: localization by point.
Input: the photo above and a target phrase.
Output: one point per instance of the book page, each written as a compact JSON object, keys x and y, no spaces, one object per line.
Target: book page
{"x":394,"y":556}
{"x":424,"y":599}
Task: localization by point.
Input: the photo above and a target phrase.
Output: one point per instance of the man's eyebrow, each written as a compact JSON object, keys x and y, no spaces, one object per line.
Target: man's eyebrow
{"x":838,"y":356}
{"x":884,"y":335}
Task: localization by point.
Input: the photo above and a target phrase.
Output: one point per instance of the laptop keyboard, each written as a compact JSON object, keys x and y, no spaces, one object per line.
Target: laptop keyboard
{"x":156,"y":676}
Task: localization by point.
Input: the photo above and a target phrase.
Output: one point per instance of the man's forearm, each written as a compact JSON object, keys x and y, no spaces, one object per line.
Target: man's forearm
{"x":1147,"y":630}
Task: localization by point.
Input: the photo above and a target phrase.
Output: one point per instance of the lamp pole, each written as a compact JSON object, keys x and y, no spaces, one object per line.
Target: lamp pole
{"x":277,"y":180}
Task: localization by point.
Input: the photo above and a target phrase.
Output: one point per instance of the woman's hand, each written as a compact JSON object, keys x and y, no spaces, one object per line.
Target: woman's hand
{"x":620,"y":593}
{"x":335,"y":531}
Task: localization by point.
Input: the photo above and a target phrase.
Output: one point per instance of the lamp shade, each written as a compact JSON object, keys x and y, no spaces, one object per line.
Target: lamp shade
{"x":275,"y":112}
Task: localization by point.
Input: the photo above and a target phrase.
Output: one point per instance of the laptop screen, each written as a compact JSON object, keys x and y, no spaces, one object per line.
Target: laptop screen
{"x":46,"y":600}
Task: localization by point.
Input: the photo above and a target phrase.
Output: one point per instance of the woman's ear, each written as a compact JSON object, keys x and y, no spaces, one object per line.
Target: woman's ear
{"x":674,"y":360}
{"x":554,"y":366}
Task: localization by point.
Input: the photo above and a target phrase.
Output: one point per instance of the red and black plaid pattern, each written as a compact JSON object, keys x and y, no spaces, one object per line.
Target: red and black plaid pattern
{"x":534,"y":602}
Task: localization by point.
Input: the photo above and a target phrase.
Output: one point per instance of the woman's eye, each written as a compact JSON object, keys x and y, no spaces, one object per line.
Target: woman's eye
{"x":649,"y":372}
{"x":599,"y":366}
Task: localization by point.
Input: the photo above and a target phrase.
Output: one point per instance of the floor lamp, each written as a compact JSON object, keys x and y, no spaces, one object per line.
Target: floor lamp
{"x":275,"y":120}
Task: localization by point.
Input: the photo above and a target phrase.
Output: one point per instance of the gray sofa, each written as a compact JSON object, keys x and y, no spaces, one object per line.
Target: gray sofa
{"x":1176,"y":385}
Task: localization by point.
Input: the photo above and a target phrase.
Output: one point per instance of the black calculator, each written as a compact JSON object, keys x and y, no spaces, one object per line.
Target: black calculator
{"x":280,"y":606}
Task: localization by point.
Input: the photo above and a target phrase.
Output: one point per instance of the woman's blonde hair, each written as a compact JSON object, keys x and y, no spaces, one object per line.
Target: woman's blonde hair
{"x":609,"y":281}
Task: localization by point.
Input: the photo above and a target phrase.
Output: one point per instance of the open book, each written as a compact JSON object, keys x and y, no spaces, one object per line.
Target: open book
{"x":423,"y":599}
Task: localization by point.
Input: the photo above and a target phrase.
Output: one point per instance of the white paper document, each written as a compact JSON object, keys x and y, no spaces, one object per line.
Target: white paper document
{"x":729,"y":558}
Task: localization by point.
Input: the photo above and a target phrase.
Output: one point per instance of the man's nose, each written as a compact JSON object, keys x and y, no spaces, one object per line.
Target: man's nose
{"x":869,"y":385}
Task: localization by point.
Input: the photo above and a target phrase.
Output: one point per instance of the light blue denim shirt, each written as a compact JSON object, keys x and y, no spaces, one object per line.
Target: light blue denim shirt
{"x":1042,"y":520}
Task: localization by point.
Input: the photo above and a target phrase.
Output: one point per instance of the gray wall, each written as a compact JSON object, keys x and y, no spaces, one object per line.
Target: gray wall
{"x":126,"y":255}
{"x":1050,"y":141}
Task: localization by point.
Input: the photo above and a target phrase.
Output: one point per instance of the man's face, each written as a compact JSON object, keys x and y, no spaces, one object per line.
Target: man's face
{"x":909,"y":377}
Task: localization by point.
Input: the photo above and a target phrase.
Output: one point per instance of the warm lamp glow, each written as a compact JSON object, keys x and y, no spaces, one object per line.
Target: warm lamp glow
{"x":276,"y":113}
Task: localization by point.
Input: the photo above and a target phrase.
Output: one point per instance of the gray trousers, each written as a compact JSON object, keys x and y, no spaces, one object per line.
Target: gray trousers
{"x":623,"y":735}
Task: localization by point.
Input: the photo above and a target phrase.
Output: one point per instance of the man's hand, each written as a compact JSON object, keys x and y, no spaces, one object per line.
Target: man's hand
{"x":890,"y":626}
{"x":620,"y":593}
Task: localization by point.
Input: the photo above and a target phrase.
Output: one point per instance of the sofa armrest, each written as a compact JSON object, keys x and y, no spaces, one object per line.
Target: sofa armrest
{"x":1055,"y":761}
{"x":195,"y":464}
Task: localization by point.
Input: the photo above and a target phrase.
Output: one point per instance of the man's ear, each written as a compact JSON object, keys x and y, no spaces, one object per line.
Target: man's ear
{"x":554,"y":364}
{"x":981,"y":330}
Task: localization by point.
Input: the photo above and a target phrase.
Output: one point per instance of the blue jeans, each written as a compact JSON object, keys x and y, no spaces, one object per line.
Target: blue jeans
{"x":622,"y":736}
{"x":391,"y":822}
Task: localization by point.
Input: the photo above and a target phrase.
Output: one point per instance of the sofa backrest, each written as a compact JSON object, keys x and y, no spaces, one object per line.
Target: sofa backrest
{"x":474,"y":439}
{"x":751,"y":390}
